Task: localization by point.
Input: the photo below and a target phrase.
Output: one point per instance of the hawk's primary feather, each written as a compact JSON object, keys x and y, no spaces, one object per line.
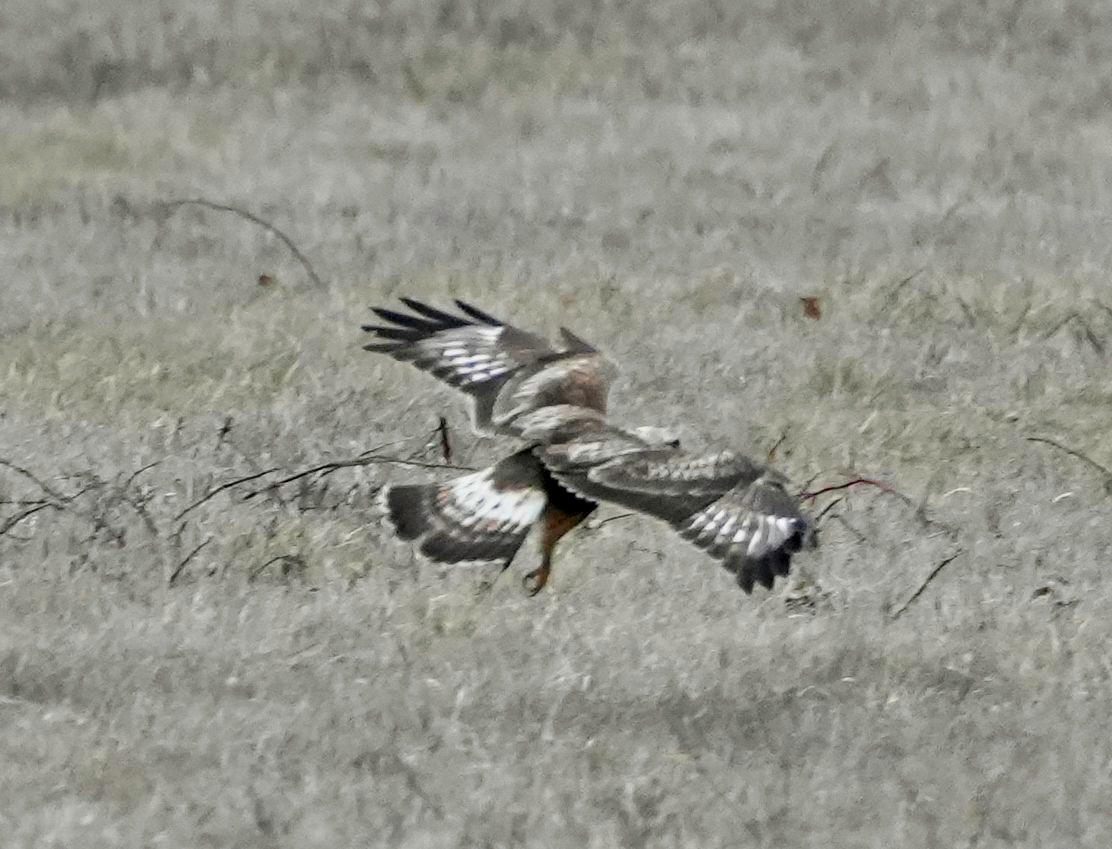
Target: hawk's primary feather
{"x":506,"y":371}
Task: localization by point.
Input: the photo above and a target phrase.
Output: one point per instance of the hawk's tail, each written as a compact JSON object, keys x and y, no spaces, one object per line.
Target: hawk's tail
{"x":483,"y":516}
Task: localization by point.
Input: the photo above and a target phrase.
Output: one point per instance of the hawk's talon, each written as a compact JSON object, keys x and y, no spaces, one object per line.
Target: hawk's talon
{"x":535,"y":581}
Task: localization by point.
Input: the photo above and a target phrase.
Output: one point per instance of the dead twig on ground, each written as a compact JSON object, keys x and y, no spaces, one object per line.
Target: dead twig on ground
{"x":254,"y":219}
{"x":926,"y":583}
{"x":819,"y":516}
{"x":215,"y":491}
{"x":370,"y":460}
{"x":609,"y":519}
{"x":131,"y":478}
{"x":897,"y":288}
{"x":185,"y":561}
{"x":891,"y":490}
{"x":1075,"y":453}
{"x":445,"y":439}
{"x":287,"y":561}
{"x":56,"y":499}
{"x":20,"y":470}
{"x":14,"y":520}
{"x":1075,"y":318}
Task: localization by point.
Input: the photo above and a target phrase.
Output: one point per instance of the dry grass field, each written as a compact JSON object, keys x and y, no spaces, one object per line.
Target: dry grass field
{"x":668,"y":180}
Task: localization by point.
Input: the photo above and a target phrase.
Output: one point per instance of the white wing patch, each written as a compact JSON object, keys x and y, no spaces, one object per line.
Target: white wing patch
{"x":471,"y":356}
{"x":474,"y":502}
{"x":753,"y":533}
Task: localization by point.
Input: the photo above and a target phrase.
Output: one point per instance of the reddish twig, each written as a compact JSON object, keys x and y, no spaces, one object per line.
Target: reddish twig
{"x":810,"y":496}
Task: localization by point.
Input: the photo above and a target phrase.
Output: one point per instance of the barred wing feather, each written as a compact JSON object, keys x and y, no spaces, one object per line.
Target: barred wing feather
{"x":731,"y":507}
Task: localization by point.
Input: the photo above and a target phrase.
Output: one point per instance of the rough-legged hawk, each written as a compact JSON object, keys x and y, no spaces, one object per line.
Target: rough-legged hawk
{"x":554,"y":400}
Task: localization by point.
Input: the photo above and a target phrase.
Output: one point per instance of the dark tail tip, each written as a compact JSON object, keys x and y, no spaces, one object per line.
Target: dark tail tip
{"x":408,"y":507}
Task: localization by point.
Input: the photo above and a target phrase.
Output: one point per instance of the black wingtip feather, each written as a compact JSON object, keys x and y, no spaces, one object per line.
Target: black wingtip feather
{"x":403,"y":320}
{"x":401,"y":334}
{"x":478,"y":314}
{"x":763,"y":570}
{"x":446,"y":320}
{"x":745,"y":580}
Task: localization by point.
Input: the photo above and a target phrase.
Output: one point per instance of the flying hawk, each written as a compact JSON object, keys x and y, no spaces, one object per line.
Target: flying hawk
{"x":554,"y":400}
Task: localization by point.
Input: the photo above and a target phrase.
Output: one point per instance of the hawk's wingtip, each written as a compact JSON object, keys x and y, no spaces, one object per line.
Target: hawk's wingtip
{"x":478,"y":314}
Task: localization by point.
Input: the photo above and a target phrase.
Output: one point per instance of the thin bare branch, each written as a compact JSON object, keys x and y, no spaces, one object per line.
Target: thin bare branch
{"x":926,"y":583}
{"x":254,"y":219}
{"x":609,"y":519}
{"x":295,"y":559}
{"x":899,"y":285}
{"x":49,"y":490}
{"x":1075,"y":318}
{"x":845,"y":523}
{"x":445,"y":439}
{"x":810,"y":496}
{"x":215,"y":491}
{"x":1075,"y":453}
{"x":131,"y":478}
{"x":12,"y":521}
{"x":828,"y":508}
{"x":185,"y":561}
{"x":362,"y":460}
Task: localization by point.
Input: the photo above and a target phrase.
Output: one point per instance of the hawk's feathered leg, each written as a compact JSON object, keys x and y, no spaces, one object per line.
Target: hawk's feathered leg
{"x":563,"y":511}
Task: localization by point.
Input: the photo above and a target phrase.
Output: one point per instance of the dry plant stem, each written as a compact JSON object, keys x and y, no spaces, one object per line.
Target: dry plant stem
{"x":254,"y":219}
{"x":608,"y":519}
{"x":1076,"y":318}
{"x":215,"y":491}
{"x":185,"y":561}
{"x":445,"y":439}
{"x":12,"y":521}
{"x":281,"y":558}
{"x":131,"y":478}
{"x":53,"y":493}
{"x":1075,"y":453}
{"x":56,"y":501}
{"x":363,"y":460}
{"x":926,"y":583}
{"x":810,"y":496}
{"x":827,"y":509}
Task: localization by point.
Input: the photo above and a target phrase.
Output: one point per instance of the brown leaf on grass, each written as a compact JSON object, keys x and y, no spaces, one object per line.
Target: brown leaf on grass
{"x":812,"y":307}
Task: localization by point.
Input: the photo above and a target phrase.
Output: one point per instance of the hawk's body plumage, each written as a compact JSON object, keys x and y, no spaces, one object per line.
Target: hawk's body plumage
{"x":555,"y":399}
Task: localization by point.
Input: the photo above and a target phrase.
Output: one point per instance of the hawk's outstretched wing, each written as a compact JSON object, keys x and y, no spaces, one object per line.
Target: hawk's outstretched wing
{"x":736,"y":510}
{"x":507,"y":372}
